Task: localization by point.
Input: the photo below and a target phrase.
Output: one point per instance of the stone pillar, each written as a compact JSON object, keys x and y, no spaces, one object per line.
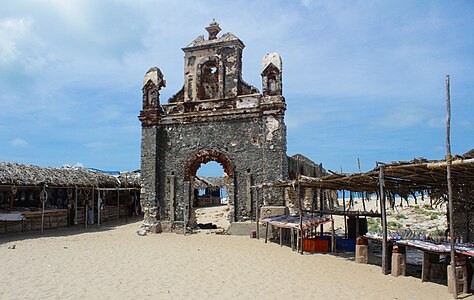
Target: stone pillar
{"x":460,"y":279}
{"x":362,"y":251}
{"x":150,"y":116}
{"x":398,"y":263}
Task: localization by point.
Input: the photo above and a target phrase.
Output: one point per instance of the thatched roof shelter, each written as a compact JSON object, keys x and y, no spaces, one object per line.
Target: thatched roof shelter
{"x":210,"y":182}
{"x":401,"y":177}
{"x":29,"y":175}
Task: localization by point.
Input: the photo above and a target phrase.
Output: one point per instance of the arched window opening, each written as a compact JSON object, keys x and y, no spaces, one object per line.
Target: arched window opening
{"x":209,"y":83}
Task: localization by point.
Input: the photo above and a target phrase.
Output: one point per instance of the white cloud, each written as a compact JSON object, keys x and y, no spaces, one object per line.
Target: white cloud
{"x":19,"y":143}
{"x":12,"y":31}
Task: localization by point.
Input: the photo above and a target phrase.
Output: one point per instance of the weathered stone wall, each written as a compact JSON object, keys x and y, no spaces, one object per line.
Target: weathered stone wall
{"x":241,"y":140}
{"x":148,"y":175}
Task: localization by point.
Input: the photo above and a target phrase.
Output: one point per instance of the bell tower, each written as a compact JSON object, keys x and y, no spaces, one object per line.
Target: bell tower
{"x":216,"y":116}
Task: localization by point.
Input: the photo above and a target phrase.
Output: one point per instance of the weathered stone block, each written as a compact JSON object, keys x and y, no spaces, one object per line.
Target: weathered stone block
{"x":362,"y":254}
{"x":398,"y":264}
{"x":270,"y":211}
{"x":460,"y":279}
{"x":166,"y":226}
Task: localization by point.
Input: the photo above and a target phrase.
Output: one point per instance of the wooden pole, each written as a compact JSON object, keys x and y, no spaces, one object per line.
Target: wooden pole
{"x":98,"y":207}
{"x":333,"y":238}
{"x":92,"y":204}
{"x":384,"y":222}
{"x":266,"y":233}
{"x":257,"y":214}
{"x":118,"y":204}
{"x":281,"y":237}
{"x":345,"y":216}
{"x":44,"y":198}
{"x":75,"y":207}
{"x":321,"y":204}
{"x":300,"y":203}
{"x":127,"y":201}
{"x":450,"y":187}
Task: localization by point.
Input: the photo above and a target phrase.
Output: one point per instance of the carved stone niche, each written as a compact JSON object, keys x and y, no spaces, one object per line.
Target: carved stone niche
{"x":152,"y":84}
{"x":272,"y":75}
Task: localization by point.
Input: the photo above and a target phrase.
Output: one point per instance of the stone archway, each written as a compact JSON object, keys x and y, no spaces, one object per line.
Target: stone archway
{"x":192,"y":165}
{"x":204,"y":156}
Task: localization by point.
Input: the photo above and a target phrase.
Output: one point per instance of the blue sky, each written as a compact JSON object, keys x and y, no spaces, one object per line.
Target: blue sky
{"x":362,"y":79}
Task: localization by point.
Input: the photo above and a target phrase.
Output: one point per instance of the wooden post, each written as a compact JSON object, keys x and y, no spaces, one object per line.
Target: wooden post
{"x":333,"y":239}
{"x":384,"y":222}
{"x":92,"y":203}
{"x":42,"y":218}
{"x":425,"y":267}
{"x":292,"y":238}
{"x":301,"y":215}
{"x":300,"y":203}
{"x":450,"y":187}
{"x":257,"y":213}
{"x":118,"y":204}
{"x":127,"y":200}
{"x":281,"y":237}
{"x":75,"y":208}
{"x":266,"y":233}
{"x":86,"y":213}
{"x":345,"y":216}
{"x":98,"y":207}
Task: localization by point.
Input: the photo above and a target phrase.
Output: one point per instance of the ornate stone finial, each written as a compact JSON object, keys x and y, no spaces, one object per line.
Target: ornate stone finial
{"x":213,"y":29}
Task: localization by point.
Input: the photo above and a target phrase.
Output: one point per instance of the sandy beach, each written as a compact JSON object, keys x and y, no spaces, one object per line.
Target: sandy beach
{"x":115,"y":263}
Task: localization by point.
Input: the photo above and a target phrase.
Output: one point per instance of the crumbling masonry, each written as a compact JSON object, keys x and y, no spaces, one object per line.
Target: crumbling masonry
{"x":216,"y":116}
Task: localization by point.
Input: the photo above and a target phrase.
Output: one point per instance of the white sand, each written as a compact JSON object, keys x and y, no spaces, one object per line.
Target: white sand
{"x":118,"y":264}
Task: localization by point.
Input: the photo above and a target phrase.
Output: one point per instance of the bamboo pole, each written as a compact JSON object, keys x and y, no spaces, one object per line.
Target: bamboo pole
{"x":450,"y":188}
{"x":384,"y":223}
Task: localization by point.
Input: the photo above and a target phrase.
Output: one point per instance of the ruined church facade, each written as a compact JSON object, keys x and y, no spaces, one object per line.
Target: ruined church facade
{"x":216,"y":116}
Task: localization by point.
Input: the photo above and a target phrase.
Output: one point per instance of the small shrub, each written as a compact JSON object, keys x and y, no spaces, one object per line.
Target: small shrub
{"x":400,"y":216}
{"x":394,"y":225}
{"x":427,"y":206}
{"x":373,"y":225}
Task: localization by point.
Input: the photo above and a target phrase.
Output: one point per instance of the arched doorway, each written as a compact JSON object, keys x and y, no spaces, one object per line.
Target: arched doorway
{"x":218,"y":160}
{"x":209,"y":198}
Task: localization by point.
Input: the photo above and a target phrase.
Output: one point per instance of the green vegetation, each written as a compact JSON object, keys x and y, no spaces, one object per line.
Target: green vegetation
{"x":433,"y":215}
{"x":400,"y":216}
{"x":373,"y":225}
{"x":437,"y":232}
{"x":392,"y":225}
